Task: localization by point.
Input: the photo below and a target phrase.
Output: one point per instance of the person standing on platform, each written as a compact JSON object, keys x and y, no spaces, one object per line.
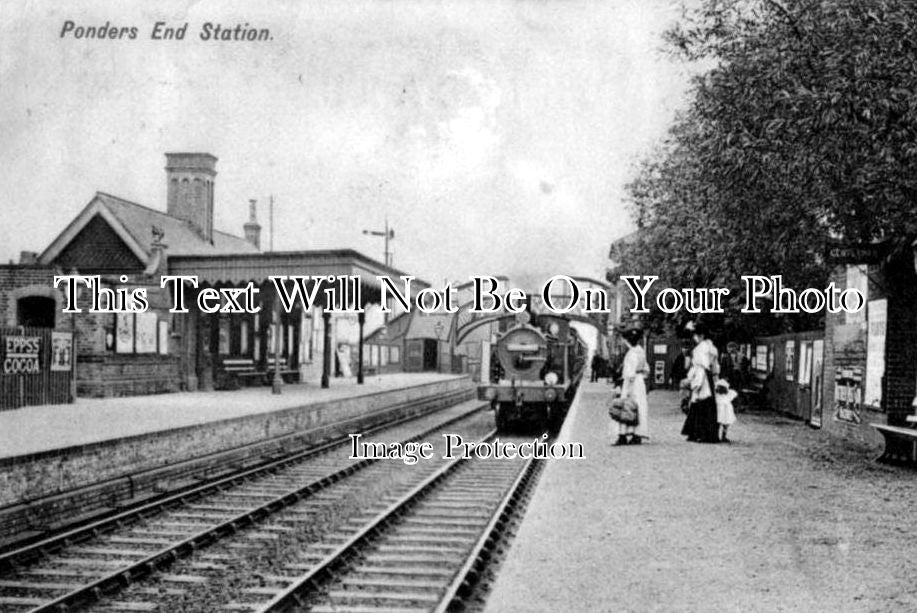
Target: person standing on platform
{"x":701,"y":425}
{"x":680,"y":366}
{"x":633,"y":373}
{"x":725,"y":412}
{"x":595,"y":367}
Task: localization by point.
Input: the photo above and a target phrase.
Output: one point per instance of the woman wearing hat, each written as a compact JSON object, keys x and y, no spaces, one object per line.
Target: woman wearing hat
{"x":633,"y":372}
{"x":701,"y":424}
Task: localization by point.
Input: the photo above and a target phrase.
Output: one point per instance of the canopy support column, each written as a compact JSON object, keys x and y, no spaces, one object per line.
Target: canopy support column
{"x":361,"y":319}
{"x":326,"y":349}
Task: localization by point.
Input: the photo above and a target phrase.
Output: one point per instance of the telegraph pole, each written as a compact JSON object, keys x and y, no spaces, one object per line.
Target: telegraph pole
{"x":389,"y":235}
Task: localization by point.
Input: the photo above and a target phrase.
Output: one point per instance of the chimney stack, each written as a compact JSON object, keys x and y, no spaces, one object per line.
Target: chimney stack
{"x":190,"y":190}
{"x":252,"y":227}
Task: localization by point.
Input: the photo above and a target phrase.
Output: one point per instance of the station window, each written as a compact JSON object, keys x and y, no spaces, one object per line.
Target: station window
{"x":394,"y":354}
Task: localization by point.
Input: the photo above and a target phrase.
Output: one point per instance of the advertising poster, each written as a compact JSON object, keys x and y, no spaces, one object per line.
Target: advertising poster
{"x":760,"y":358}
{"x":61,"y":351}
{"x":818,"y":351}
{"x":124,"y":332}
{"x":789,"y":356}
{"x":146,"y":333}
{"x":21,"y":355}
{"x":877,"y":317}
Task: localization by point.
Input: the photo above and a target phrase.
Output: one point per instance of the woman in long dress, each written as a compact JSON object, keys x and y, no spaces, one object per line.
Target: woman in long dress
{"x":634,"y":371}
{"x":701,"y":424}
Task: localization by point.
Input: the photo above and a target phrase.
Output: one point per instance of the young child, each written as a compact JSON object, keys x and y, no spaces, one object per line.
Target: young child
{"x":725,"y":414}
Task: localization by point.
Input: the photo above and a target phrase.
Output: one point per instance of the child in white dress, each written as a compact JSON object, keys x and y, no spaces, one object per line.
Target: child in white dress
{"x":725,"y":413}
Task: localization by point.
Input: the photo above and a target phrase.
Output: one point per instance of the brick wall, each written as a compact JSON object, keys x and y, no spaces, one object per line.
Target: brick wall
{"x":846,"y":348}
{"x":900,"y":343}
{"x":17,"y":281}
{"x":102,"y":372}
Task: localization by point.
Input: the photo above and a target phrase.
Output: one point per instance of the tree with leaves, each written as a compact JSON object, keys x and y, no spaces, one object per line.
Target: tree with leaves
{"x":804,"y":130}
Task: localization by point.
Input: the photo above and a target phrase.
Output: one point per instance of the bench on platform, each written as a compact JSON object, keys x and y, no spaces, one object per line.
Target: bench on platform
{"x":753,"y":394}
{"x":236,"y":370}
{"x":900,"y":443}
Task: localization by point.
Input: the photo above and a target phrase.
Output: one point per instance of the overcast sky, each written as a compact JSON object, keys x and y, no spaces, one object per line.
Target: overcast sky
{"x":496,"y":136}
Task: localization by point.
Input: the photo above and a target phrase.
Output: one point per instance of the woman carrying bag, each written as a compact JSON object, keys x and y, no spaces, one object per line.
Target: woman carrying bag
{"x":633,"y":389}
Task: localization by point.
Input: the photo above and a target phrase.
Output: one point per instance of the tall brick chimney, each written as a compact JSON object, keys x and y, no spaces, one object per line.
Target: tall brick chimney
{"x":252,"y":227}
{"x":190,"y":189}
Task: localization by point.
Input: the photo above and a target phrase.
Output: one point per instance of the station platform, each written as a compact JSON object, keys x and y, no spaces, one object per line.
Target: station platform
{"x":782,"y":518}
{"x":46,"y":450}
{"x":36,"y":429}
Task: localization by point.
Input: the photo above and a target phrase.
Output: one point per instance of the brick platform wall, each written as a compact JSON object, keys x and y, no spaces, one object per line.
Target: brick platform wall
{"x":37,"y":475}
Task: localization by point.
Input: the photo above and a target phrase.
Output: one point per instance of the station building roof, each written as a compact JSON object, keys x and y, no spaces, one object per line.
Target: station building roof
{"x":133,"y":225}
{"x":112,"y":235}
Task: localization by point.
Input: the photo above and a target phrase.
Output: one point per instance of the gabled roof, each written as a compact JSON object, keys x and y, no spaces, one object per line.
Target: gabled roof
{"x":412,"y":325}
{"x":393,"y":331}
{"x":133,"y":223}
{"x":423,"y":325}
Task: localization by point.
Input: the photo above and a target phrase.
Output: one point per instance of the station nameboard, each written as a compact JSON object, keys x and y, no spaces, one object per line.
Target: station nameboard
{"x":855,"y":253}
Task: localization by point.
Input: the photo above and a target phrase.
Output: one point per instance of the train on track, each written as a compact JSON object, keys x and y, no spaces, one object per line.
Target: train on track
{"x":536,"y":367}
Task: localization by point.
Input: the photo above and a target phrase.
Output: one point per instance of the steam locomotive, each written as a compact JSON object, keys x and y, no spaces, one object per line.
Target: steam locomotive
{"x":536,"y":367}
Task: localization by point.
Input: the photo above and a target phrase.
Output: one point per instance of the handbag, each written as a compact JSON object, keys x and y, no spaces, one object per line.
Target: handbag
{"x":623,"y":410}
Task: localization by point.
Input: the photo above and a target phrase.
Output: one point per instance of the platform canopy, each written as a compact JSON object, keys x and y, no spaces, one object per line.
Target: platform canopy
{"x":239,"y":269}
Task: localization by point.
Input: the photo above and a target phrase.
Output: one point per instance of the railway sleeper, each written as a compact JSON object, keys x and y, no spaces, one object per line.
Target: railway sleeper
{"x":377,"y":597}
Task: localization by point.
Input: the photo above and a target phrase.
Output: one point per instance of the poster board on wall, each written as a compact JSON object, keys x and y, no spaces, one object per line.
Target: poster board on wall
{"x":61,"y":351}
{"x":876,"y":320}
{"x":124,"y":333}
{"x":789,"y":359}
{"x":818,"y":357}
{"x":146,"y":332}
{"x":760,"y":358}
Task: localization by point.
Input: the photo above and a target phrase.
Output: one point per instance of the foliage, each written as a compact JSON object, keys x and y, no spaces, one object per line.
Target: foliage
{"x":804,"y":128}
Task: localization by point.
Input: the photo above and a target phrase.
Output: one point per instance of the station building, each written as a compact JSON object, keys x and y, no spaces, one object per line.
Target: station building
{"x":129,"y":245}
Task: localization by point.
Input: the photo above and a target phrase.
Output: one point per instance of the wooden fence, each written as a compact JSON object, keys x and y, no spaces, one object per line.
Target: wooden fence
{"x":36,"y":367}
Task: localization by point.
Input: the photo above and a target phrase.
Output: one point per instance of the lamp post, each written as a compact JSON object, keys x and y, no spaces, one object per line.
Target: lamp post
{"x":439,"y":332}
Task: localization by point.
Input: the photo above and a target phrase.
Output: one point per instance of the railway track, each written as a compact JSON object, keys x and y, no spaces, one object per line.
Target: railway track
{"x":422,"y":553}
{"x":88,"y":565}
{"x":45,"y":517}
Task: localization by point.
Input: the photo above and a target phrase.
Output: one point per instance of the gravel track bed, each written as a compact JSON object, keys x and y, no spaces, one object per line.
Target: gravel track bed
{"x":259,"y":561}
{"x":411,"y":564}
{"x":75,"y":565}
{"x":477,"y":599}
